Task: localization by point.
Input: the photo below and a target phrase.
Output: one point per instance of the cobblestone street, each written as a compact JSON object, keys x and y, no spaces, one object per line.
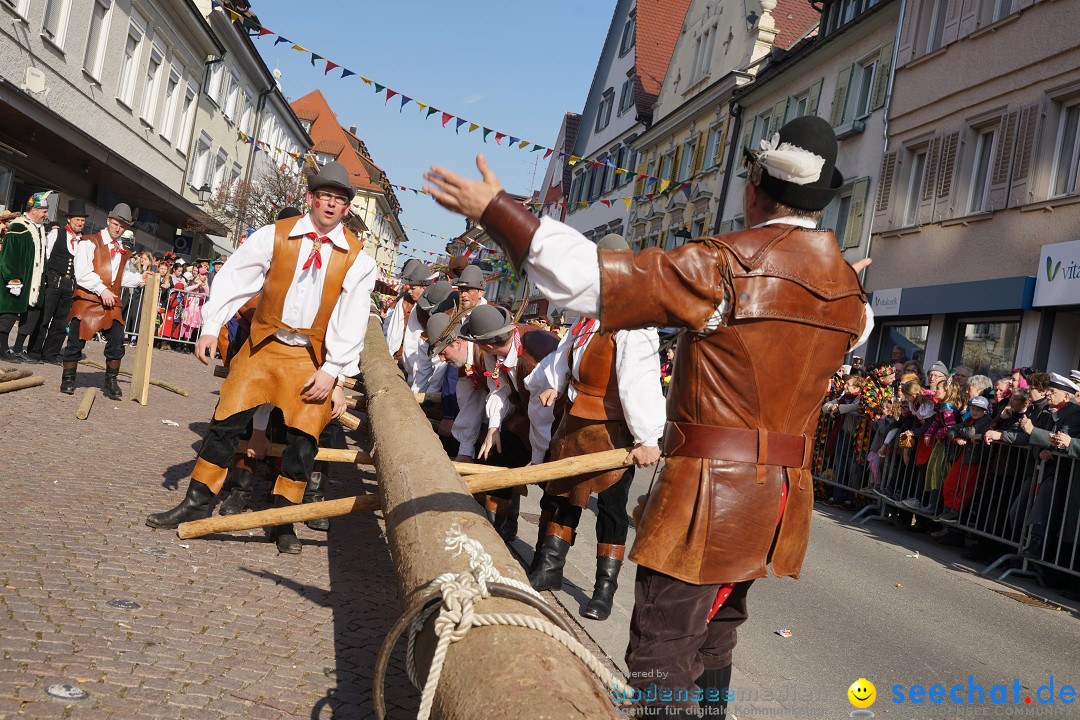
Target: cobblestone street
{"x":223,"y":627}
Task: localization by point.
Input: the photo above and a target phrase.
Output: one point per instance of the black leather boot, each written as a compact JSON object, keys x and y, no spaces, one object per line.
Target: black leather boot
{"x":67,"y":380}
{"x":242,"y":482}
{"x":541,"y":533}
{"x":194,"y":506}
{"x":548,"y":571}
{"x":111,"y":388}
{"x":506,"y":518}
{"x":315,"y":492}
{"x":609,"y":559}
{"x":283,"y":535}
{"x":715,"y":682}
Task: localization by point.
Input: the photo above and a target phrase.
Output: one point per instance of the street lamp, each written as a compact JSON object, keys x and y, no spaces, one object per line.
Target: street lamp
{"x":204,"y":193}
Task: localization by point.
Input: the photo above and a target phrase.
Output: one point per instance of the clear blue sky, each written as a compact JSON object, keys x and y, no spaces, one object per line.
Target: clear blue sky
{"x":513,"y":67}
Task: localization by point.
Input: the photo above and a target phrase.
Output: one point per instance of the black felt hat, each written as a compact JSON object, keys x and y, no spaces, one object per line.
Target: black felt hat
{"x":76,"y":208}
{"x":798,"y":164}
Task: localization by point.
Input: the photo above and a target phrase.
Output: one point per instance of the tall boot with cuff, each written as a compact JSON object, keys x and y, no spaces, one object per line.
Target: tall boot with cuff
{"x":194,"y":506}
{"x":67,"y":379}
{"x":315,"y":492}
{"x":609,"y":560}
{"x":111,"y":388}
{"x":242,"y":481}
{"x":547,"y":573}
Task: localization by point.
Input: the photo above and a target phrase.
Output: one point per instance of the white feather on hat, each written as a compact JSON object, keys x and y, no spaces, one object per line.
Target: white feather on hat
{"x":788,"y":162}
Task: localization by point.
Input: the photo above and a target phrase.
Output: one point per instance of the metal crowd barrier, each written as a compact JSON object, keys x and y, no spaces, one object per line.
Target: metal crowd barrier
{"x":167,"y":327}
{"x":1027,"y":502}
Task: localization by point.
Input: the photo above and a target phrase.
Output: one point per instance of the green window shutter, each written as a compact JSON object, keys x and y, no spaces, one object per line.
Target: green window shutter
{"x":854,"y":232}
{"x":699,"y":155}
{"x":778,"y":112}
{"x":813,"y":97}
{"x":881,"y":79}
{"x":839,"y":101}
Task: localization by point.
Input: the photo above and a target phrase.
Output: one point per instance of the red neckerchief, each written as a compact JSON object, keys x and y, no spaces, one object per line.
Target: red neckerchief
{"x":470,"y":372}
{"x":73,"y":237}
{"x":316,"y":245}
{"x":582,"y":330}
{"x":499,"y":364}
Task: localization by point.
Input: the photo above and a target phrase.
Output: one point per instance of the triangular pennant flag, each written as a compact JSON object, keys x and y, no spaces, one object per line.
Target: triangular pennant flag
{"x":265,"y":31}
{"x":574,"y":160}
{"x":446,"y":117}
{"x":330,"y":65}
{"x":538,"y":147}
{"x":473,"y":126}
{"x":431,"y":111}
{"x":389,"y":94}
{"x":458,"y":123}
{"x":367,"y":81}
{"x":233,"y":15}
{"x":620,"y":171}
{"x":513,"y":140}
{"x":281,"y":39}
{"x":606,"y":203}
{"x":314,"y":57}
{"x":583,"y":203}
{"x":522,"y":144}
{"x":686,"y":190}
{"x":627,"y":202}
{"x":548,"y":152}
{"x":487,"y":131}
{"x":379,"y":88}
{"x":421,"y":105}
{"x":498,"y":138}
{"x":405,"y":100}
{"x":346,"y":72}
{"x":299,"y":48}
{"x":664,"y":184}
{"x":649,"y":182}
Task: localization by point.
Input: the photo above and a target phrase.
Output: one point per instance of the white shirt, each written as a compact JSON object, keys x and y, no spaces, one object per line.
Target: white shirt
{"x":471,"y":402}
{"x":394,"y":325}
{"x":89,"y":280}
{"x":72,"y":239}
{"x":244,"y":274}
{"x":497,"y":406}
{"x":564,"y":266}
{"x":421,"y":373}
{"x":637,"y":372}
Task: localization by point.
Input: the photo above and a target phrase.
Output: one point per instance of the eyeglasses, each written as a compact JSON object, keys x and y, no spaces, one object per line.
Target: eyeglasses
{"x":331,"y":198}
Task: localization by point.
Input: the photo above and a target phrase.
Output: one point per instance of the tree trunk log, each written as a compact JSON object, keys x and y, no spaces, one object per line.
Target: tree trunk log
{"x":87,"y":402}
{"x":21,"y":383}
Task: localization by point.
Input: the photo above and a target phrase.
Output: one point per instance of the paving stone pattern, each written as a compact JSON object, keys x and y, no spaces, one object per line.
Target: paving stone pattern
{"x":225,"y":628}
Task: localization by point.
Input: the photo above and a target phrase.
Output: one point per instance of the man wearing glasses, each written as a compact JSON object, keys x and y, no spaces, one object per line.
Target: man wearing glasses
{"x":306,"y":336}
{"x":100,"y":273}
{"x":741,"y":412}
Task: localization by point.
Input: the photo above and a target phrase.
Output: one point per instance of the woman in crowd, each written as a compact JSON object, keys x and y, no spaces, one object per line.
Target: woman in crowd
{"x":194,"y":297}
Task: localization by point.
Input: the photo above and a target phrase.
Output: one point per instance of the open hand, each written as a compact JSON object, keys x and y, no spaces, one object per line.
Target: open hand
{"x":493,"y":439}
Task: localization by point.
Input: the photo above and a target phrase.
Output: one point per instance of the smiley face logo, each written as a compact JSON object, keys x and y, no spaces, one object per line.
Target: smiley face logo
{"x":862,"y":693}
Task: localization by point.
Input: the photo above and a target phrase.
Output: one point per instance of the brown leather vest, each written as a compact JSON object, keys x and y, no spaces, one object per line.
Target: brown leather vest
{"x":93,"y":316}
{"x":267,"y":319}
{"x":796,"y":307}
{"x":536,"y":344}
{"x":597,"y":386}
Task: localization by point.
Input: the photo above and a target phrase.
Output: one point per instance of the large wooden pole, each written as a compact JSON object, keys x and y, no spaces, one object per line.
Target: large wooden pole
{"x":498,"y":671}
{"x":144,"y":347}
{"x":21,"y":383}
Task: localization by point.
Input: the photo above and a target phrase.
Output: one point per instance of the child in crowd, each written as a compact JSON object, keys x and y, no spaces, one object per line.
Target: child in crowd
{"x":845,"y":407}
{"x":1009,"y":418}
{"x":963,"y":477}
{"x":885,"y":430}
{"x":949,"y":410}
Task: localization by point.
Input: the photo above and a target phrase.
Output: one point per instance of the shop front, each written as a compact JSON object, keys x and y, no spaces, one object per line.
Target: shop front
{"x":1057,"y":295}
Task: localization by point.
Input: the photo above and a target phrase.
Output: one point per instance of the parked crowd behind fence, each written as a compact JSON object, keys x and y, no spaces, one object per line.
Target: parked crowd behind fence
{"x":991,"y":466}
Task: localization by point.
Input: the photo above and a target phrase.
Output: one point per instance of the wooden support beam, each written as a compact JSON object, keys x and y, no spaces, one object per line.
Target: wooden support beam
{"x":144,"y":348}
{"x":21,"y":383}
{"x":87,"y":402}
{"x":156,"y":383}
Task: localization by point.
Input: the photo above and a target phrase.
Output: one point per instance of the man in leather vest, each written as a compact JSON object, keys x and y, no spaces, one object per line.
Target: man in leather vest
{"x":100,"y":274}
{"x":403,"y":329}
{"x":511,"y":351}
{"x":61,"y":243}
{"x":611,"y":382}
{"x":741,"y":413}
{"x":306,"y":336}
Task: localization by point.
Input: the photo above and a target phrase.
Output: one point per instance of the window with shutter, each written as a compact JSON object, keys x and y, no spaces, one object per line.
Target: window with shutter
{"x":998,"y":194}
{"x":52,"y":21}
{"x":1026,"y":145}
{"x":913,"y":187}
{"x":839,"y":101}
{"x":699,"y":156}
{"x":950,"y":147}
{"x":979,"y":178}
{"x":95,"y":39}
{"x":885,"y":188}
{"x":639,"y":181}
{"x":884,"y":72}
{"x":778,"y":112}
{"x":673,"y":168}
{"x":951,"y":26}
{"x":929,"y":181}
{"x":813,"y":97}
{"x":721,"y":145}
{"x":1066,"y":152}
{"x":856,"y":218}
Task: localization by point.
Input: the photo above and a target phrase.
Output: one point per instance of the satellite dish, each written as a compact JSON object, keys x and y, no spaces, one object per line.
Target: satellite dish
{"x":277,"y":73}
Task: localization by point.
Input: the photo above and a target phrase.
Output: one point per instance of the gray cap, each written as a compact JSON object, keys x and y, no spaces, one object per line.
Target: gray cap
{"x":332,"y":175}
{"x":612,"y":241}
{"x":980,"y":402}
{"x":939,"y":367}
{"x":471,"y":278}
{"x":121,"y":212}
{"x":487,"y":323}
{"x":416,"y":274}
{"x":441,"y":332}
{"x":439,"y":297}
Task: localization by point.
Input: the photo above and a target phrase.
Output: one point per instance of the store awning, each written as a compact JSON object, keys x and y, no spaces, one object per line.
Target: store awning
{"x":222,"y":245}
{"x":997,"y":294}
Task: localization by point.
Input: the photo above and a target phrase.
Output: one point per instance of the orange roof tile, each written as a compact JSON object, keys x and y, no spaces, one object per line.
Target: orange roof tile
{"x":793,"y":19}
{"x":327,"y":133}
{"x":659,"y":23}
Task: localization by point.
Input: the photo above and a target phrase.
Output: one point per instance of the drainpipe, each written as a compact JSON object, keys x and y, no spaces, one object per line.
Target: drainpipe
{"x":735,"y":110}
{"x":885,"y":120}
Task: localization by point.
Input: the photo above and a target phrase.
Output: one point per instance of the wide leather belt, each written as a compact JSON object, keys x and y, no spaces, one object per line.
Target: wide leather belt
{"x":758,"y":447}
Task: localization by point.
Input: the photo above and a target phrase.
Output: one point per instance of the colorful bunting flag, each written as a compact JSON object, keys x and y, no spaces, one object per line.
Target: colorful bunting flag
{"x":379,"y":88}
{"x":330,"y":65}
{"x":487,"y":131}
{"x":473,"y":126}
{"x":498,"y":137}
{"x":346,"y":72}
{"x":458,"y":123}
{"x":431,"y":111}
{"x":389,"y":94}
{"x":281,"y":39}
{"x":299,"y":48}
{"x":405,"y":100}
{"x":522,"y":144}
{"x":446,"y":117}
{"x":314,"y":57}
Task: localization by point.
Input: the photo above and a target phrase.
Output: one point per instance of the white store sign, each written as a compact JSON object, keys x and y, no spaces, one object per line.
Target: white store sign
{"x":1057,"y":279}
{"x":886,"y":302}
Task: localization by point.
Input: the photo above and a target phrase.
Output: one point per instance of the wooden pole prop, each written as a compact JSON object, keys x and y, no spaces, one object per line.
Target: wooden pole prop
{"x":497,"y":671}
{"x":156,"y":383}
{"x":21,"y":383}
{"x":140,"y":379}
{"x":12,"y":374}
{"x":351,"y":422}
{"x":359,"y":457}
{"x":485,"y":480}
{"x":87,"y":402}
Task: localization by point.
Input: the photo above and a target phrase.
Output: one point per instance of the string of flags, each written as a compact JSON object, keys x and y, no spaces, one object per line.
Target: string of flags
{"x":512,"y":141}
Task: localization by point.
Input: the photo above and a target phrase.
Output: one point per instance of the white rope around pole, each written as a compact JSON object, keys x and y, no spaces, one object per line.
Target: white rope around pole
{"x":456,"y":616}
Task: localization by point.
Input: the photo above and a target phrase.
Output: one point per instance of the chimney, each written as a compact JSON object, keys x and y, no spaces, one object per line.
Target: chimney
{"x":352,"y":129}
